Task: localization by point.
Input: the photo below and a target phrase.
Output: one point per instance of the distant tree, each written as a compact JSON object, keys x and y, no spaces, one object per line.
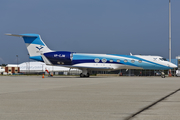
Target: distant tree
{"x":3,"y":64}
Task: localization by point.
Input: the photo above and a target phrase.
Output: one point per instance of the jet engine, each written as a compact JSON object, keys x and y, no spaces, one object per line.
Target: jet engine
{"x":59,"y":57}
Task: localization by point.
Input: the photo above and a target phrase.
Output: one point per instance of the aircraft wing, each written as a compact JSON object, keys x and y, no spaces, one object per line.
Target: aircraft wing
{"x":92,"y":68}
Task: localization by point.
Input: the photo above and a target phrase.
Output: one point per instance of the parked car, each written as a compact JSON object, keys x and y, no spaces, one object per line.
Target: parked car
{"x":158,"y":73}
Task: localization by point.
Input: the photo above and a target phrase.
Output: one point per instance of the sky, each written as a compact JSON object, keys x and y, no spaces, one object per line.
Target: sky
{"x":90,"y":26}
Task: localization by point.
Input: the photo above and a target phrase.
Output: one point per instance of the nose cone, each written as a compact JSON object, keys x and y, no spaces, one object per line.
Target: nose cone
{"x":173,"y":65}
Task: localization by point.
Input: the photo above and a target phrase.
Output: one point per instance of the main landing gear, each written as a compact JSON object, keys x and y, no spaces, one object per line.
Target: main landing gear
{"x":84,"y":73}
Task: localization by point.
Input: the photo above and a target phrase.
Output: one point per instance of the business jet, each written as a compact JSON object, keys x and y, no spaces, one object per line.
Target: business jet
{"x":39,"y":51}
{"x":1,"y":70}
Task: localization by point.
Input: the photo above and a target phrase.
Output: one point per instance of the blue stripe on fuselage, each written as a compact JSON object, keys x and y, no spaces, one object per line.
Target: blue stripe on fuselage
{"x":89,"y":58}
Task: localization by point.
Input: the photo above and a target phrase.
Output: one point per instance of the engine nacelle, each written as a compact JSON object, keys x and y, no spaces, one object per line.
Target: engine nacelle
{"x":59,"y":57}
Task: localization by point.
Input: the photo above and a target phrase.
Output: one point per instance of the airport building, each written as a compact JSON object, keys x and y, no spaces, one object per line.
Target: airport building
{"x":11,"y":70}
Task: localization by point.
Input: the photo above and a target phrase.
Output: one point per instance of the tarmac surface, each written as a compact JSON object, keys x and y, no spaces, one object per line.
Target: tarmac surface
{"x":94,"y":98}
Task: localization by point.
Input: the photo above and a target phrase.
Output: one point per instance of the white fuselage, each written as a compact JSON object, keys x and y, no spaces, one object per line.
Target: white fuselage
{"x":114,"y":62}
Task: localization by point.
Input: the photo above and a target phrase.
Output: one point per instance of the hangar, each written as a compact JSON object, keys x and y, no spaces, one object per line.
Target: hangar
{"x":39,"y":68}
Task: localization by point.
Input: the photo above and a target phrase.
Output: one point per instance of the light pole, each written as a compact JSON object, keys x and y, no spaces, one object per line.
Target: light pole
{"x":169,"y":30}
{"x":170,"y":35}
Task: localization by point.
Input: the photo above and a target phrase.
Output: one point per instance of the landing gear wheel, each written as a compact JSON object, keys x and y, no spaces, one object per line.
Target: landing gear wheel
{"x":162,"y":75}
{"x":87,"y":75}
{"x":81,"y":75}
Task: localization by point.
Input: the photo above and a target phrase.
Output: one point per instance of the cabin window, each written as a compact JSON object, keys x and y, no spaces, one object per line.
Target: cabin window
{"x":125,"y":60}
{"x":132,"y":61}
{"x":96,"y":60}
{"x":140,"y":61}
{"x":118,"y":60}
{"x":111,"y":60}
{"x":60,"y":63}
{"x":104,"y":60}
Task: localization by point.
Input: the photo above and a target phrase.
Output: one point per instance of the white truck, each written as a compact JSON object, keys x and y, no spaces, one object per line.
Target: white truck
{"x":1,"y":69}
{"x":178,"y":73}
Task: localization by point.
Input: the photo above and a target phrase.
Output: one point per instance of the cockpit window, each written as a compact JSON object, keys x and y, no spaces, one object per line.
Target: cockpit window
{"x":163,"y":59}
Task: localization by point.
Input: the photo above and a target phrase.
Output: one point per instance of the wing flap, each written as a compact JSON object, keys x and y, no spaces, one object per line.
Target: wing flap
{"x":93,"y":68}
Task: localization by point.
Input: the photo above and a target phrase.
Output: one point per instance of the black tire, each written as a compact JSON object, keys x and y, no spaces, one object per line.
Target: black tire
{"x":87,"y":75}
{"x":163,"y":76}
{"x":81,"y":75}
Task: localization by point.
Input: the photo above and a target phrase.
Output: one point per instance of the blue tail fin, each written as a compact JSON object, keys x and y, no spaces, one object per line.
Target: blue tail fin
{"x":35,"y":45}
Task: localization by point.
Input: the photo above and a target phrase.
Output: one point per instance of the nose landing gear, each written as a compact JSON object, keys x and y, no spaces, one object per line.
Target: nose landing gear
{"x":162,"y":74}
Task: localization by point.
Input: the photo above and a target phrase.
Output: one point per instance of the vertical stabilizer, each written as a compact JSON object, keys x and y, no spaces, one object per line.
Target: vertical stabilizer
{"x":35,"y":45}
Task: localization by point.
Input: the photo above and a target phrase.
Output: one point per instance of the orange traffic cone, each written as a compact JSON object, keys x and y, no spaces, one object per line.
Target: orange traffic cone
{"x":43,"y":76}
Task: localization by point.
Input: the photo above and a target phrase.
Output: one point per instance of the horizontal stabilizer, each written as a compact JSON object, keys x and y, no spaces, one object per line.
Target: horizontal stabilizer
{"x":22,"y":35}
